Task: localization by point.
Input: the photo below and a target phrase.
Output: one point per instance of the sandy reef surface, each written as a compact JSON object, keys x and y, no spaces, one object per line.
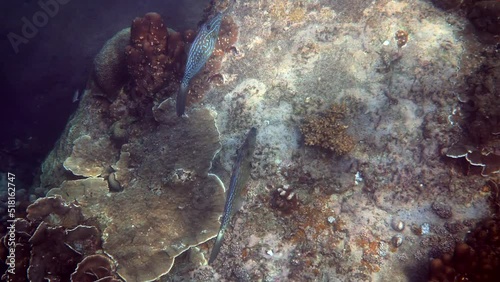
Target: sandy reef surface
{"x":296,"y":58}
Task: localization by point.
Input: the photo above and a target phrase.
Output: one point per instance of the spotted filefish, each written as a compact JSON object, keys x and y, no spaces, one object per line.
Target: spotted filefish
{"x":239,"y":177}
{"x":201,"y":49}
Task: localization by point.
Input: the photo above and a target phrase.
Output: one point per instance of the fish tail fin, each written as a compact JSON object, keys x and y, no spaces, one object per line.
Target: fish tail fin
{"x":217,"y":245}
{"x":181,"y":99}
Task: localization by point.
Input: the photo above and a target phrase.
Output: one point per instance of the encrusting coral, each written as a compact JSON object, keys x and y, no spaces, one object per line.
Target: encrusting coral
{"x":328,"y":130}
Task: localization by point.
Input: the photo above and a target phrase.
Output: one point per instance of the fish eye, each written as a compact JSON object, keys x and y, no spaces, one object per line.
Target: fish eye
{"x":208,"y":26}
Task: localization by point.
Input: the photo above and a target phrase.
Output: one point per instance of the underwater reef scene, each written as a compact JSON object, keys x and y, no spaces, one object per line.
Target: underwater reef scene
{"x":376,"y":155}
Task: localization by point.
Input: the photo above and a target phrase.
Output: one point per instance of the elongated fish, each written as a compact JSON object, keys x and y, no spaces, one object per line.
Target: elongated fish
{"x":201,"y":49}
{"x":239,"y":177}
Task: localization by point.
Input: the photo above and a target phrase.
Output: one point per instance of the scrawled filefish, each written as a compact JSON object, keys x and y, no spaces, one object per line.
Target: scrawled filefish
{"x":201,"y":49}
{"x":239,"y":177}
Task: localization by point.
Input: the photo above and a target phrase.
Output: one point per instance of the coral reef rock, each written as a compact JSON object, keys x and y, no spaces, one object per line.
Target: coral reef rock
{"x":310,"y":215}
{"x":169,"y":202}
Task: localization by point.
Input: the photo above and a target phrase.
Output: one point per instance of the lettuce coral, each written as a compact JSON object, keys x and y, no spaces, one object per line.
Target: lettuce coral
{"x":171,"y":201}
{"x":51,"y":241}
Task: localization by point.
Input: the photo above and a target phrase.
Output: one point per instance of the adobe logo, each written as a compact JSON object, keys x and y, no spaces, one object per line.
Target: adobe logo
{"x":49,"y":9}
